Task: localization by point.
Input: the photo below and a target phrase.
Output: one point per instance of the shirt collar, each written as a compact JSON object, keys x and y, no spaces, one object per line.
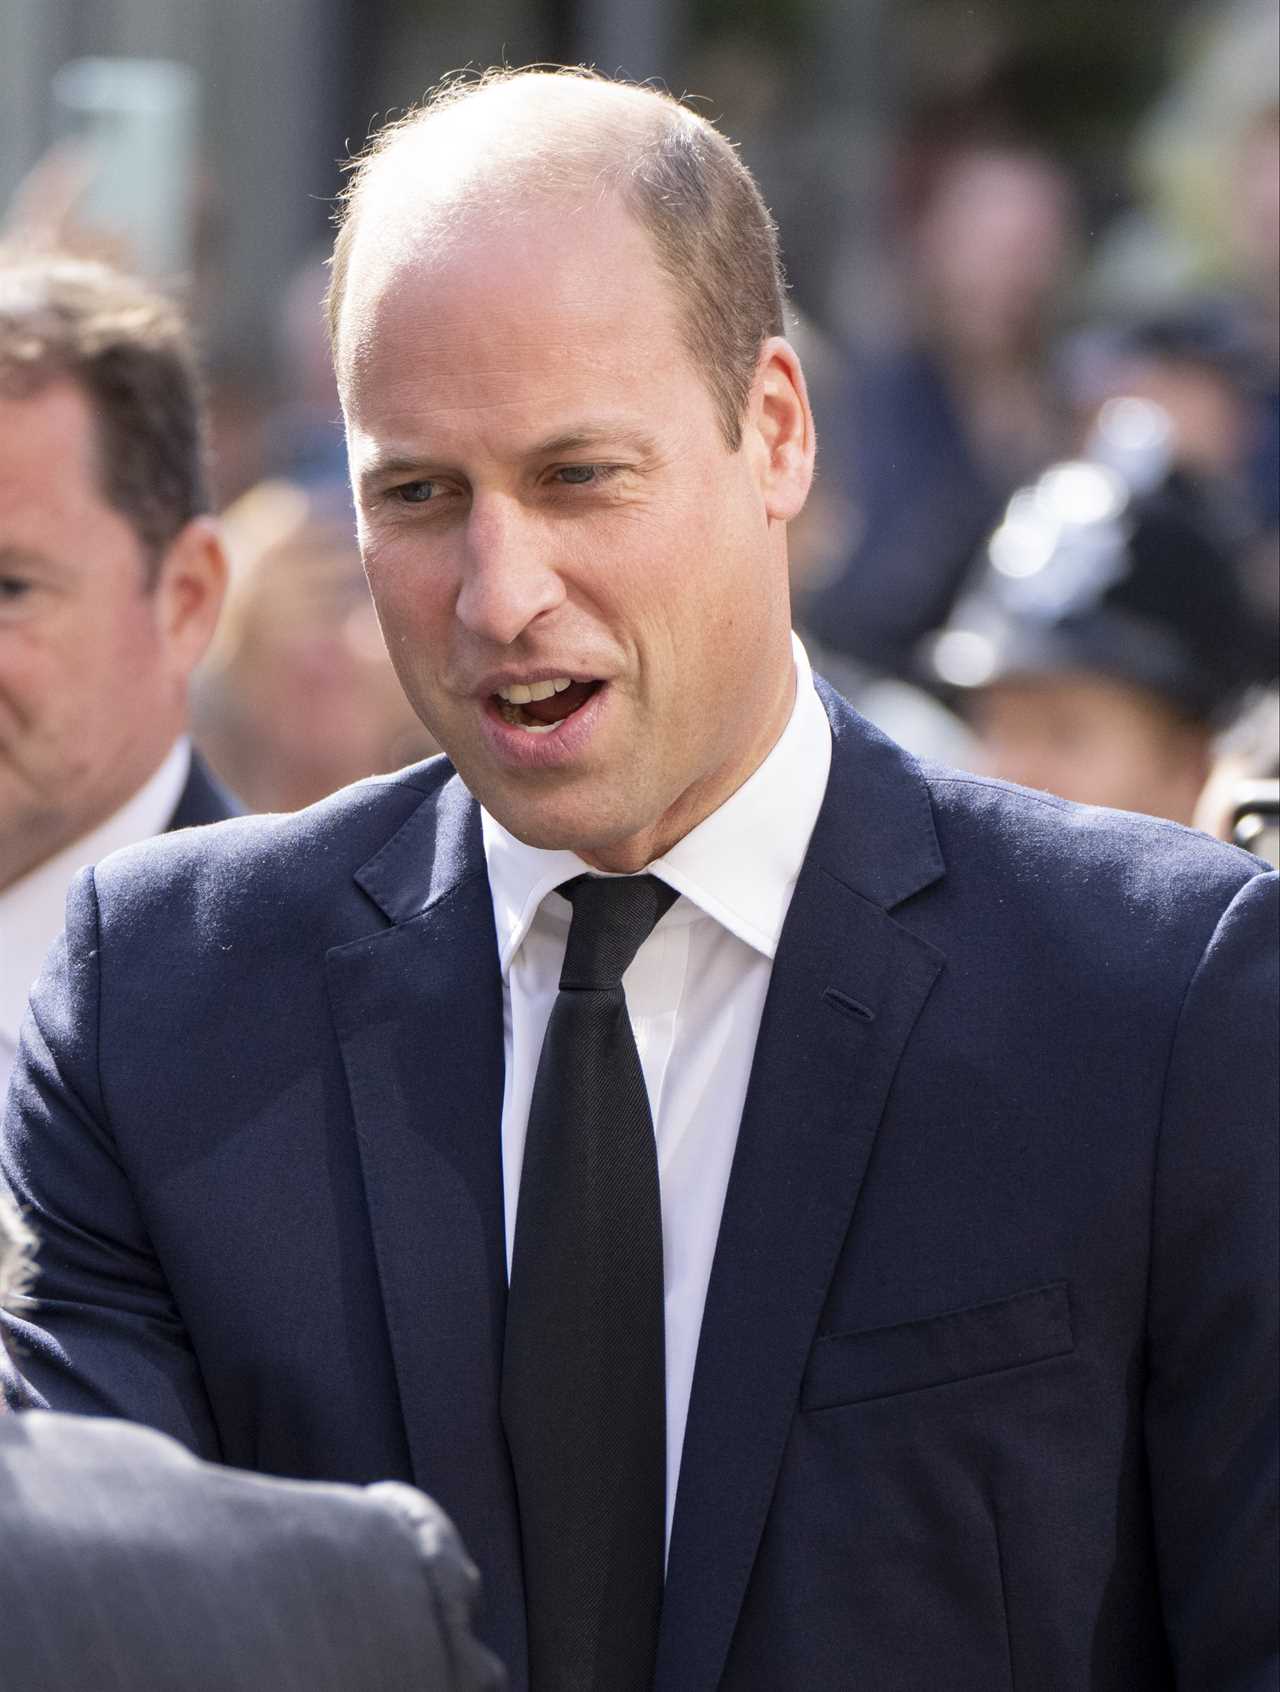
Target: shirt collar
{"x":738,"y":866}
{"x":32,"y":909}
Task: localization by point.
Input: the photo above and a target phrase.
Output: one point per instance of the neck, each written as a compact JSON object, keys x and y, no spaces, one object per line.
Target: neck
{"x":628,"y":857}
{"x":26,"y":848}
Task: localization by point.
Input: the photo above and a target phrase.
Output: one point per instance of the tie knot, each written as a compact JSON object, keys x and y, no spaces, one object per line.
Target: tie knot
{"x":612,"y":918}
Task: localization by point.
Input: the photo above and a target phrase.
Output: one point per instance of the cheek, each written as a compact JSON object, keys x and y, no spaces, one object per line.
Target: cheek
{"x":413,"y":602}
{"x":43,"y":680}
{"x":415,"y":633}
{"x":83,"y":676}
{"x":51,"y":724}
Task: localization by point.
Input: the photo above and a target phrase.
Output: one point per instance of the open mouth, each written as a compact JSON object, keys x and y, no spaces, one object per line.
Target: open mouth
{"x":540,"y":707}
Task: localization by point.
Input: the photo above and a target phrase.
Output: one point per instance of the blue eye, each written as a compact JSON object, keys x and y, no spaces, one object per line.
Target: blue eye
{"x":578,"y":474}
{"x":415,"y":493}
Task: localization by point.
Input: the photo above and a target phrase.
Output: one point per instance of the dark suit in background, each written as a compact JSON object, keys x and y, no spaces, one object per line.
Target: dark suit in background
{"x":127,"y":1566}
{"x":985,"y":1393}
{"x":203,"y":799}
{"x":38,"y":901}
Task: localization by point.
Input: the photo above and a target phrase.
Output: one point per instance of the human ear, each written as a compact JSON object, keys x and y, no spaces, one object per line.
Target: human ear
{"x":189,"y":589}
{"x":780,"y":427}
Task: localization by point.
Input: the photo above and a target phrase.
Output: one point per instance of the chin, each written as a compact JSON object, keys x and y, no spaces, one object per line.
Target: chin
{"x":550,"y":833}
{"x":563,"y":827}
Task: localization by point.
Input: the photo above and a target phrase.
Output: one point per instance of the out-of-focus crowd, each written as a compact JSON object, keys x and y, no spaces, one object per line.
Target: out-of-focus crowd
{"x":1049,"y":501}
{"x":1044,"y":537}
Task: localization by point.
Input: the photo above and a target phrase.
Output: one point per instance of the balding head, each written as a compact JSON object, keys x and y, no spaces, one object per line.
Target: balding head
{"x":514,"y":145}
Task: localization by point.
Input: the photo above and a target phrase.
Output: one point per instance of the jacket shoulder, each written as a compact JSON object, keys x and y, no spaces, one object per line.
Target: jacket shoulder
{"x":245,"y":859}
{"x":1027,"y":840}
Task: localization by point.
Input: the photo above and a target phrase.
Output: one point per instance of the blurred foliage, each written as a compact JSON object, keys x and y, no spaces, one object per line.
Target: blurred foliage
{"x":1075,"y":73}
{"x":785,"y":25}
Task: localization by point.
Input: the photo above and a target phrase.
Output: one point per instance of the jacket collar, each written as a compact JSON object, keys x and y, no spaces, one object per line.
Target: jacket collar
{"x":875,"y":829}
{"x":435,"y":848}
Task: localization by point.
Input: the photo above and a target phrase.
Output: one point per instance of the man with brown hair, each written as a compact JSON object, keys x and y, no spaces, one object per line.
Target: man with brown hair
{"x":808,"y":1216}
{"x":111,"y":575}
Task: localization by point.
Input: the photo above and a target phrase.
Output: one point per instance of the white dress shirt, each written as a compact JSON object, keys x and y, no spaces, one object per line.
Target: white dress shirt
{"x":695,"y":994}
{"x":32,"y":909}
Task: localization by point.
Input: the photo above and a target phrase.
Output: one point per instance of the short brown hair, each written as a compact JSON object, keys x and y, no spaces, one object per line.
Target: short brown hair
{"x":129,"y":351}
{"x":684,"y":184}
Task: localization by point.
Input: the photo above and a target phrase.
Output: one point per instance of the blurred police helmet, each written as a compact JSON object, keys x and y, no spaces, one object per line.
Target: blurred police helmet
{"x":1112,"y":564}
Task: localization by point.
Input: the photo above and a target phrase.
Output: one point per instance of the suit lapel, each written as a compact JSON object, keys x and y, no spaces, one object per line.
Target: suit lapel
{"x":418,"y":1010}
{"x":847,"y":986}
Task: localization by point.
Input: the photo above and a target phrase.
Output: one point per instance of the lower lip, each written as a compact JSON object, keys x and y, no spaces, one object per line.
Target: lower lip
{"x":517,"y":749}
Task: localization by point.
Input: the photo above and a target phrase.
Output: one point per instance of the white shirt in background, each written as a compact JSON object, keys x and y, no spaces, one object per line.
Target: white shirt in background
{"x":32,"y":909}
{"x":695,"y":994}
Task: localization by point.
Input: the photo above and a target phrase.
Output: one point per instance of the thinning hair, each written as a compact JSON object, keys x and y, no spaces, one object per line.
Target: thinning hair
{"x":674,"y":172}
{"x":129,"y":351}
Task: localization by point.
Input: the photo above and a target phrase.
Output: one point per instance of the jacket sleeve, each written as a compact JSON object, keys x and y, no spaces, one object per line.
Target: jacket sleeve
{"x":105,"y":1336}
{"x":452,"y":1582}
{"x":1211,"y":1414}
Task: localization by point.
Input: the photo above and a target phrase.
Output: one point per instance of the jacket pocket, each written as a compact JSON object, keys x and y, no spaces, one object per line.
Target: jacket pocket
{"x":1027,"y":1327}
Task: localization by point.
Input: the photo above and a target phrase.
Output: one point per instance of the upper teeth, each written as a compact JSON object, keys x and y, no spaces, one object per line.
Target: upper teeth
{"x":520,"y":693}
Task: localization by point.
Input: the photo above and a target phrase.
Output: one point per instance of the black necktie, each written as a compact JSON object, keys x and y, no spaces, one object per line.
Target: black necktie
{"x":583,"y":1377}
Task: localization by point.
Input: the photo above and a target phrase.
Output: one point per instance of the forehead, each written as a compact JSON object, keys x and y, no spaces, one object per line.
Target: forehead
{"x":53,"y":506}
{"x":550,"y":306}
{"x":49,"y":432}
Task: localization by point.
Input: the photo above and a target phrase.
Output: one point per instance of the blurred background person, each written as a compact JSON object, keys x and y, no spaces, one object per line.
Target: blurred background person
{"x":130,"y":1567}
{"x":1207,"y":351}
{"x":1257,"y":269}
{"x":1102,"y":641}
{"x":1204,"y":233}
{"x":111,"y":576}
{"x":944,"y":425}
{"x":297,"y":696}
{"x":1241,"y":801}
{"x":1197,"y":364}
{"x":1191,"y":271}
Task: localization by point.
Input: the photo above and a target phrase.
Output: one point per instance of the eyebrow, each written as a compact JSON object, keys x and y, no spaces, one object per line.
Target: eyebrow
{"x":587,"y":436}
{"x":28,"y":558}
{"x":379,"y":467}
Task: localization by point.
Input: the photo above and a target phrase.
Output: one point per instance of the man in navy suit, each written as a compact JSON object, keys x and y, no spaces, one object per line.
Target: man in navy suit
{"x":111,"y":578}
{"x":962,"y":1094}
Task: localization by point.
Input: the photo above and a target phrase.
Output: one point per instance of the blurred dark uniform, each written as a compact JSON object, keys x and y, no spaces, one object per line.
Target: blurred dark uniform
{"x":1103,"y":636}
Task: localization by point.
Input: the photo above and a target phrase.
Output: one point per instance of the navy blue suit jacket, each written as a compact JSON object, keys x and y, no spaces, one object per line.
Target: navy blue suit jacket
{"x":985,"y":1394}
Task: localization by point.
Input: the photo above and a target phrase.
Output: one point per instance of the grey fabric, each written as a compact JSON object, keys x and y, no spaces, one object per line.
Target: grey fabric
{"x":128,"y":1566}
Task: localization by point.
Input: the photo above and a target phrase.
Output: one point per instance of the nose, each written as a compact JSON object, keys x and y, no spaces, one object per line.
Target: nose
{"x":509,"y":577}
